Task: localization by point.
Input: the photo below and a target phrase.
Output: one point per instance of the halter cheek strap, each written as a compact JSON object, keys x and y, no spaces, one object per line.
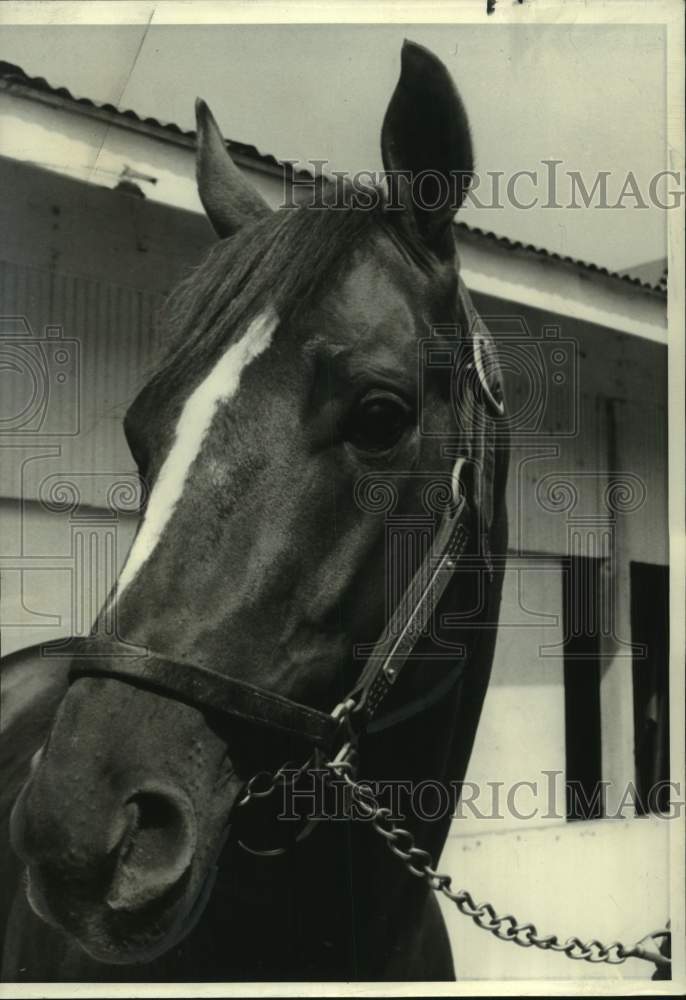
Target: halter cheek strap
{"x":486,"y":405}
{"x":391,"y":653}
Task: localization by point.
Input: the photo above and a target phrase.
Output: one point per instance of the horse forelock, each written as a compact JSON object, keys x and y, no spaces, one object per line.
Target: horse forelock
{"x":288,"y":259}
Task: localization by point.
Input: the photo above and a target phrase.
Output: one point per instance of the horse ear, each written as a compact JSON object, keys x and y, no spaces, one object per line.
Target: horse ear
{"x":229,"y":200}
{"x":426,"y":148}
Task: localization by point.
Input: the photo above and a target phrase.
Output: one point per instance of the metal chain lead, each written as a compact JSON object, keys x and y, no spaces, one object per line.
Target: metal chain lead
{"x":419,"y":863}
{"x":287,"y":773}
{"x":505,"y":927}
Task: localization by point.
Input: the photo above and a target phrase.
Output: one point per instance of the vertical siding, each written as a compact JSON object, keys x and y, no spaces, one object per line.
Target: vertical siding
{"x":111,"y":328}
{"x":561,"y":472}
{"x":97,"y":263}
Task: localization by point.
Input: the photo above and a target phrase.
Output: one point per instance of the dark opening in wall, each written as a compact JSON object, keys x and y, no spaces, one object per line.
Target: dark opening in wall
{"x":650,"y":629}
{"x":581,"y":622}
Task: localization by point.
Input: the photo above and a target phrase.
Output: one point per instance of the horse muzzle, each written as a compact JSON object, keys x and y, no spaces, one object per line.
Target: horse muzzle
{"x":110,"y":842}
{"x":119,"y":862}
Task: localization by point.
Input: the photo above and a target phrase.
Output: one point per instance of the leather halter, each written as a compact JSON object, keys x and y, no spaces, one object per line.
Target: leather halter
{"x":468,"y":516}
{"x":204,"y":688}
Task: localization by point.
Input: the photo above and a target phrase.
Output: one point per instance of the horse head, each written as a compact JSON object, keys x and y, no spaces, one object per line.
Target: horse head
{"x":293,"y":373}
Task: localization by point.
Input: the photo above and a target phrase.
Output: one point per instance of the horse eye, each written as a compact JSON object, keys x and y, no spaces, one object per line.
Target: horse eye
{"x":378,"y":422}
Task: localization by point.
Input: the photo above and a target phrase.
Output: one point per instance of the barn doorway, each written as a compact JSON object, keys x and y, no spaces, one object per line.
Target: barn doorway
{"x":650,"y":629}
{"x":581,"y":624}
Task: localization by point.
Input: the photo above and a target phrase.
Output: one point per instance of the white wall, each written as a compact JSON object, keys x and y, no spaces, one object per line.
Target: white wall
{"x":57,"y":569}
{"x":521,"y":733}
{"x":606,"y":879}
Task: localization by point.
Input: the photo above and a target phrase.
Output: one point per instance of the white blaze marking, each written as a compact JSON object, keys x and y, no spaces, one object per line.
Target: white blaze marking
{"x":193,"y":424}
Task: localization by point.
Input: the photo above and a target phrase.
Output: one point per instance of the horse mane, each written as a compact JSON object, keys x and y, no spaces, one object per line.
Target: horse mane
{"x":284,"y":260}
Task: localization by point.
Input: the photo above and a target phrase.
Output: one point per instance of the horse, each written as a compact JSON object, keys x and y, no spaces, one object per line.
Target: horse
{"x":295,"y":377}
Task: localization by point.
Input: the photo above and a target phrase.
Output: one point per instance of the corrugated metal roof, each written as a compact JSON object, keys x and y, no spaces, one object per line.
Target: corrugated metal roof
{"x":652,"y":271}
{"x":14,"y":76}
{"x":626,"y":276}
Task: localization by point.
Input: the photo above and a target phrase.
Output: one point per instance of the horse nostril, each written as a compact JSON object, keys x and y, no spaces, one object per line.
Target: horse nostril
{"x":154,"y":846}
